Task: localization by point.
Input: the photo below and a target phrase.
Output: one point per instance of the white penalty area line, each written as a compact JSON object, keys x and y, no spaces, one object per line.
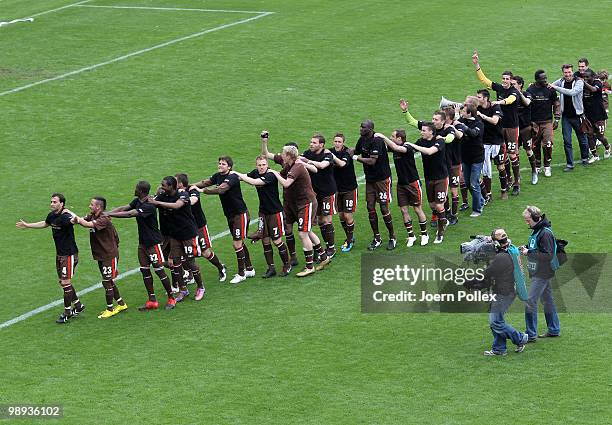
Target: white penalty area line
{"x":92,"y":288}
{"x":139,"y":52}
{"x":171,"y":9}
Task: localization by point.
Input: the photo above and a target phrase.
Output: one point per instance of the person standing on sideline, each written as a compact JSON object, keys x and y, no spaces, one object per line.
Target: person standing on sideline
{"x":540,"y":251}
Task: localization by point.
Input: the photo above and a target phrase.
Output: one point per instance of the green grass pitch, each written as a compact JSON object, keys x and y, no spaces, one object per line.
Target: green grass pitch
{"x":283,"y":351}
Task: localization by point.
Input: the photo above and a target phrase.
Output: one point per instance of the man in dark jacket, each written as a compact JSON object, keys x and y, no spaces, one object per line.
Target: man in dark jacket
{"x":499,"y":276}
{"x":540,"y":251}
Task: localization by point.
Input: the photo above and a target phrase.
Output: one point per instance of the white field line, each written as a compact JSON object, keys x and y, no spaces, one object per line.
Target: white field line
{"x":180,"y":9}
{"x":139,"y":52}
{"x":58,"y":8}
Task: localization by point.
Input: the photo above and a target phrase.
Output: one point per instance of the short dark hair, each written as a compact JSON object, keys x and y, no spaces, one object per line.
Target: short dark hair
{"x":584,"y":61}
{"x":567,"y":66}
{"x":341,"y":135}
{"x":429,"y":125}
{"x":143,"y":187}
{"x":519,"y":80}
{"x":228,"y":160}
{"x":170,"y":181}
{"x":538,"y":73}
{"x":368,"y":124}
{"x":319,"y":137}
{"x":101,"y":200}
{"x":441,"y":114}
{"x":484,"y":93}
{"x":401,"y":133}
{"x":183,"y":179}
{"x":508,"y":73}
{"x":59,"y":196}
{"x":589,"y":73}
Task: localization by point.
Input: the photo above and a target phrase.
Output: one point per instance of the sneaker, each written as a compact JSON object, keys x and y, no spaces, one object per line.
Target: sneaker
{"x":439,"y":239}
{"x":521,"y":347}
{"x":585,"y":162}
{"x":374,"y":244}
{"x":593,"y":159}
{"x":63,"y":318}
{"x":120,"y":308}
{"x":315,"y":257}
{"x":249,"y":273}
{"x":107,"y":313}
{"x":532,"y":340}
{"x":534,"y":178}
{"x":504,"y":195}
{"x":410,"y":241}
{"x":188,"y":278}
{"x":76,"y":310}
{"x":237,"y":279}
{"x":331,"y":253}
{"x":175,"y":289}
{"x":434,"y":223}
{"x":494,"y":353}
{"x":547,"y":171}
{"x":548,"y":335}
{"x":149,"y":305}
{"x":294,"y":262}
{"x":392,"y":244}
{"x":568,"y":168}
{"x":424,"y":240}
{"x":607,"y":153}
{"x":200,"y":293}
{"x":516,"y":190}
{"x":347,"y":246}
{"x":475,"y":214}
{"x":537,"y":170}
{"x":223,"y":273}
{"x":286,"y":270}
{"x":452,"y":220}
{"x":464,"y":206}
{"x":181,"y":296}
{"x":171,"y":303}
{"x":305,"y":272}
{"x":323,"y":263}
{"x":271,"y":272}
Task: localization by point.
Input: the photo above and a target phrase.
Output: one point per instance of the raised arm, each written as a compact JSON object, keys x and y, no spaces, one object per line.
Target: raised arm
{"x":481,"y":77}
{"x":118,"y":209}
{"x":409,"y":118}
{"x":264,"y":145}
{"x":168,"y":205}
{"x":80,"y":220}
{"x":219,"y":190}
{"x":203,"y":183}
{"x":577,"y":89}
{"x":393,"y":146}
{"x":427,"y":151}
{"x":122,"y":213}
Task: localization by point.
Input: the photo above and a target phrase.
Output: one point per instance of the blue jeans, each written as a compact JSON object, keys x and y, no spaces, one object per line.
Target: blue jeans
{"x":541,"y":289}
{"x":471,"y":176}
{"x":567,"y":125}
{"x":500,"y":329}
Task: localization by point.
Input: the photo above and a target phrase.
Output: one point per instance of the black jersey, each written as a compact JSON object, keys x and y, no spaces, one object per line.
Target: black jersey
{"x":524,"y":112}
{"x":196,"y":209}
{"x":405,"y":166}
{"x":268,"y":193}
{"x":231,"y":201}
{"x":434,"y":166}
{"x":542,"y":102}
{"x":472,"y":149}
{"x":346,"y":180}
{"x":593,"y":103}
{"x":493,"y":133}
{"x":510,"y":118}
{"x":63,"y":233}
{"x":323,"y":181}
{"x":181,"y":223}
{"x":374,"y":146}
{"x":148,"y":232}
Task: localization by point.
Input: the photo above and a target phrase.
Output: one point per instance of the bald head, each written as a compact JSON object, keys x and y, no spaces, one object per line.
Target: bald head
{"x":367,"y":128}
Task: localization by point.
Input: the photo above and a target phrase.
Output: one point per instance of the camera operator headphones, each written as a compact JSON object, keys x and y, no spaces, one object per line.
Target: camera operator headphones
{"x":499,"y":243}
{"x":535,"y":213}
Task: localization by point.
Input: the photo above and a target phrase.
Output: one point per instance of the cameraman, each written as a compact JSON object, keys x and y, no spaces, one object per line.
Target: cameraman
{"x":540,"y":250}
{"x":499,"y":275}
